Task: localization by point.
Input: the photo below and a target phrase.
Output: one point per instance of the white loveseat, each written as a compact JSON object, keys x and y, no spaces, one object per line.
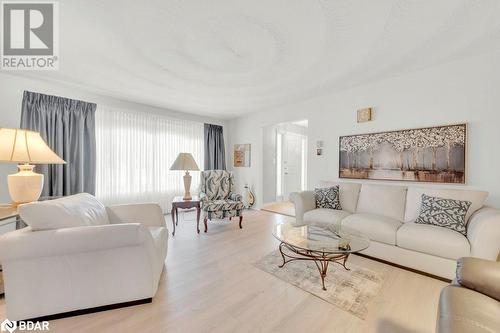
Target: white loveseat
{"x":111,"y":256}
{"x":386,"y":214}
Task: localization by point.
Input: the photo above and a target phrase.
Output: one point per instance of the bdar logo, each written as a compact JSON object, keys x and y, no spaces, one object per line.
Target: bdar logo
{"x":8,"y":326}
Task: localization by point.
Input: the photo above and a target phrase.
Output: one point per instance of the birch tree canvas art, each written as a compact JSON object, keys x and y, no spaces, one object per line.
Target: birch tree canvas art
{"x":433,"y":154}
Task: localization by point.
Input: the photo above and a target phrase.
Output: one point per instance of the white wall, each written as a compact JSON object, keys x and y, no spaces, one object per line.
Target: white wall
{"x":463,"y":91}
{"x":11,"y":95}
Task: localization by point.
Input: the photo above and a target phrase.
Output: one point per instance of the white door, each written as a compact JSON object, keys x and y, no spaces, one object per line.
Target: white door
{"x":292,"y":165}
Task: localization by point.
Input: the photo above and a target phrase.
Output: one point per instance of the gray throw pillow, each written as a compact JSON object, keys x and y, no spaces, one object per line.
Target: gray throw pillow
{"x":446,"y":213}
{"x":328,"y":197}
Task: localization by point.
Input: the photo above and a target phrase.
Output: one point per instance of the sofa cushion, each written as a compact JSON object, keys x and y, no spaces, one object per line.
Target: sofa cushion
{"x":376,"y":227}
{"x":445,"y":213}
{"x":414,"y":198}
{"x":323,"y":216}
{"x":349,"y":194}
{"x":433,"y":240}
{"x":327,"y":197}
{"x":382,"y":200}
{"x":76,"y":210}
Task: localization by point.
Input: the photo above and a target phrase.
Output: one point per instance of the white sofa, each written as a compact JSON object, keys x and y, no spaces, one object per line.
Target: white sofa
{"x":77,"y":254}
{"x":386,"y":214}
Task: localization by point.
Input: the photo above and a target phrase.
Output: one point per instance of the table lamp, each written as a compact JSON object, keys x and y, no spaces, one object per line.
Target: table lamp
{"x":25,"y":148}
{"x":185,"y":162}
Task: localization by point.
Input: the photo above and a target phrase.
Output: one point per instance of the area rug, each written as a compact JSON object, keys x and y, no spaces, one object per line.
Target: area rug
{"x":352,"y":291}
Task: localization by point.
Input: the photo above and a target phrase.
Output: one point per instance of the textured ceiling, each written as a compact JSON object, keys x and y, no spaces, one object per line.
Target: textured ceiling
{"x":230,"y":57}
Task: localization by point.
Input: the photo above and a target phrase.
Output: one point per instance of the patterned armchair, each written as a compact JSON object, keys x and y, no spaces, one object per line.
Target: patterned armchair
{"x":217,"y":199}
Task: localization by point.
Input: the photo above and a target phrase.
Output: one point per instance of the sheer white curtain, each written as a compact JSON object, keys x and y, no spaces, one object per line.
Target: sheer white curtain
{"x":135,"y":151}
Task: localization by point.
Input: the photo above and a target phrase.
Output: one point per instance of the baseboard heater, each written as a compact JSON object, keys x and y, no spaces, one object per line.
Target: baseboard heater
{"x":90,"y":310}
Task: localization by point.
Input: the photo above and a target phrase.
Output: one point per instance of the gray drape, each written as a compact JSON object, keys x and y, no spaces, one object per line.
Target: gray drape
{"x":68,"y":127}
{"x":215,"y":153}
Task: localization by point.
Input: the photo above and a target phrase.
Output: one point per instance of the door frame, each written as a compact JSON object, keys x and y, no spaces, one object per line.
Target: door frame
{"x":280,"y":184}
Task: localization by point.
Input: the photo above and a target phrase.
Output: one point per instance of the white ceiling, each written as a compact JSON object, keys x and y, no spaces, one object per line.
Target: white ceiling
{"x":229,"y":57}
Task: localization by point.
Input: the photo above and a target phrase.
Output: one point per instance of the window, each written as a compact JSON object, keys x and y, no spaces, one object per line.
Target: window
{"x":135,"y":151}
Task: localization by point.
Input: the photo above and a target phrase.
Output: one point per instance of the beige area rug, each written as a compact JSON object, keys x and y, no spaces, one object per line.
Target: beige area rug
{"x":284,"y":208}
{"x":352,"y":291}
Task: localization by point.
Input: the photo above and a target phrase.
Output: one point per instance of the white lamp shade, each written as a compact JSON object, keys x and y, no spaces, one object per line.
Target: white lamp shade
{"x":23,"y":146}
{"x":185,"y":161}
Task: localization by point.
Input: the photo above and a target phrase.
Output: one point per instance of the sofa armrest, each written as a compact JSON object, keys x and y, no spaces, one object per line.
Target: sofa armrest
{"x":304,"y":201}
{"x":24,"y":243}
{"x":483,"y":233}
{"x":148,"y":214}
{"x":480,"y":275}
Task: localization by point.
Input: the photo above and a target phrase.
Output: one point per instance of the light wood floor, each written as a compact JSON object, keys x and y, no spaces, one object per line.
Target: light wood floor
{"x":210,"y":285}
{"x":283,"y":207}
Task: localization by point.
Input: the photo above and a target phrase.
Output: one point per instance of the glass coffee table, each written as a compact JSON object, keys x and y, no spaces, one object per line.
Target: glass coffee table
{"x":319,"y":244}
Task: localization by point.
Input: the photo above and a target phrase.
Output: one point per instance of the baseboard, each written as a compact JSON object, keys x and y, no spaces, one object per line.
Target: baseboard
{"x":404,"y":267}
{"x":90,"y":310}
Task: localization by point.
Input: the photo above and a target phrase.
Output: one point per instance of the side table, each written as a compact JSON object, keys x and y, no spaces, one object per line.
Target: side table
{"x":178,"y":202}
{"x":8,"y":215}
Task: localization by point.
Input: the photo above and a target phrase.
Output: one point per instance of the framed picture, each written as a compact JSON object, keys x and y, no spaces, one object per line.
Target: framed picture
{"x":432,"y":154}
{"x":242,"y":155}
{"x":364,"y":115}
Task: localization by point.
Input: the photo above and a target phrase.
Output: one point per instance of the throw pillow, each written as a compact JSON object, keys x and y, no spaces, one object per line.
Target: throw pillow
{"x":446,"y":213}
{"x":328,"y":197}
{"x":76,"y":210}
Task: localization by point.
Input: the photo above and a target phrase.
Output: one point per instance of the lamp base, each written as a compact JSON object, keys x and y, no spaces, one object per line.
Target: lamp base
{"x":26,"y":185}
{"x":187,"y":186}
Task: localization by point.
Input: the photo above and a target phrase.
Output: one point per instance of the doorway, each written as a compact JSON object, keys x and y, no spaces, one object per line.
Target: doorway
{"x":285,"y":163}
{"x":291,"y":164}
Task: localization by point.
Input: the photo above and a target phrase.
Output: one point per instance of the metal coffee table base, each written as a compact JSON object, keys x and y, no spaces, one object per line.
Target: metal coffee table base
{"x":321,"y":259}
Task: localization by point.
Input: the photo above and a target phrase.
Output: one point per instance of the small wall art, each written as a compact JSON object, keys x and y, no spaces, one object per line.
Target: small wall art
{"x":242,"y":155}
{"x":364,"y":115}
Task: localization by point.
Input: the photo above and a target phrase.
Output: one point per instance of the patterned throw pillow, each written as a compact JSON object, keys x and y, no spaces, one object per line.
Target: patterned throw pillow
{"x":447,"y":213}
{"x":328,"y":197}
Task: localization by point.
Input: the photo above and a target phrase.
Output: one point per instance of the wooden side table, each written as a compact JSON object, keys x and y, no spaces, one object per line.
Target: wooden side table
{"x":178,"y":202}
{"x":8,"y":215}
